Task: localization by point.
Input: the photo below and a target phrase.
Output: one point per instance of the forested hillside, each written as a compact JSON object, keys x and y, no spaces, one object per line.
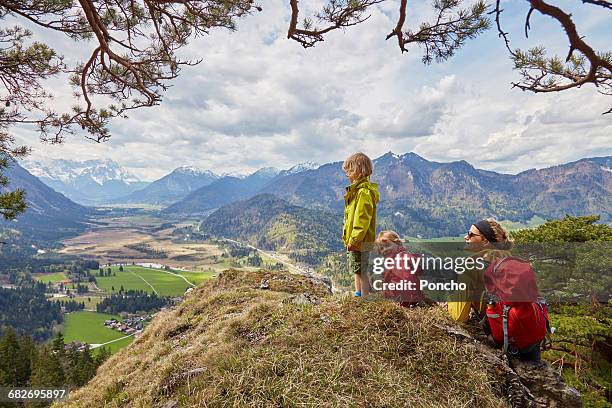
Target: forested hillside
{"x":50,"y":215}
{"x":268,"y":222}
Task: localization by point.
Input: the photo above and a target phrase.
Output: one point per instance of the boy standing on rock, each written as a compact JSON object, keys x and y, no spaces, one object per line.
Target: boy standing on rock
{"x":359,"y":229}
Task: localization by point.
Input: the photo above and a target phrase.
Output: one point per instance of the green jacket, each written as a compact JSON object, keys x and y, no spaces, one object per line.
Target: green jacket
{"x":360,"y":212}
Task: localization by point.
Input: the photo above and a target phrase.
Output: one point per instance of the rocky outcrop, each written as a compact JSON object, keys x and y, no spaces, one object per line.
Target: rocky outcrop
{"x":546,"y":386}
{"x":525,"y":384}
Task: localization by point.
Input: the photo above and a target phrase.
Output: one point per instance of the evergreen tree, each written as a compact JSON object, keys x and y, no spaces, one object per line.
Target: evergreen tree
{"x":85,"y":368}
{"x":16,"y":356}
{"x":572,"y":256}
{"x":12,"y":203}
{"x":28,"y":311}
{"x":101,"y":356}
{"x":29,"y":351}
{"x":4,"y":378}
{"x":72,"y":362}
{"x":131,"y":301}
{"x":59,"y":345}
{"x":48,"y":371}
{"x":10,"y":357}
{"x":568,"y":229}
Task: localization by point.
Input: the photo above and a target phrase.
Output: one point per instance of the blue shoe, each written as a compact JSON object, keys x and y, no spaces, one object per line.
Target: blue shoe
{"x":357,"y":294}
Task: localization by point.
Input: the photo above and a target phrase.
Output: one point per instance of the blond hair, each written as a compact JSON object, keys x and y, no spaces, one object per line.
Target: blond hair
{"x":501,"y":235}
{"x":390,"y":235}
{"x":358,"y":166}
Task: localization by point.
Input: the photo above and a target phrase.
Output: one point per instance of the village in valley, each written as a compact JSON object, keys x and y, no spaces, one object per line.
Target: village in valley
{"x":132,"y":325}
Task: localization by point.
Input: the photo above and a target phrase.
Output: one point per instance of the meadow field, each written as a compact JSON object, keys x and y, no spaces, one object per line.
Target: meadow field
{"x":138,"y":240}
{"x":161,"y":282}
{"x":50,"y":277}
{"x":196,"y":277}
{"x":90,"y":300}
{"x":88,"y":327}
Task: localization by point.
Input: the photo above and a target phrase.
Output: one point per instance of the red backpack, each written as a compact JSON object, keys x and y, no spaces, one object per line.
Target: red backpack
{"x":516,"y":313}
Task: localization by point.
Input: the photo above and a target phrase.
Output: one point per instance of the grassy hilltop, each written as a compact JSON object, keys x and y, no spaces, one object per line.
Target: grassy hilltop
{"x":276,"y":339}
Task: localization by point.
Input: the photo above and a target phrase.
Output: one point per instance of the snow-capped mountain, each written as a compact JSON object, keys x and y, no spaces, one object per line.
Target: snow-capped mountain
{"x":267,"y":173}
{"x":87,"y":182}
{"x":172,"y":187}
{"x":298,"y":168}
{"x":224,"y":190}
{"x":194,"y":171}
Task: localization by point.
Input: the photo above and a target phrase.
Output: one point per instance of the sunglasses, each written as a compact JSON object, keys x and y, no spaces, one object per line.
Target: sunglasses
{"x":470,"y":234}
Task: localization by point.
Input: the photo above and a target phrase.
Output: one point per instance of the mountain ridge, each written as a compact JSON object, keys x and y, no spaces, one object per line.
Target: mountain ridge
{"x":428,"y":195}
{"x":170,"y":188}
{"x":222,"y":191}
{"x":49,"y":213}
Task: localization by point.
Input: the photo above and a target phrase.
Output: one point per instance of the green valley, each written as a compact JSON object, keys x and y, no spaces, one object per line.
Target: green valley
{"x":88,"y":327}
{"x":158,"y":281}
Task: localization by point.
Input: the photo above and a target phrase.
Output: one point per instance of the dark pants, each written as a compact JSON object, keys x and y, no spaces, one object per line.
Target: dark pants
{"x":531,"y":353}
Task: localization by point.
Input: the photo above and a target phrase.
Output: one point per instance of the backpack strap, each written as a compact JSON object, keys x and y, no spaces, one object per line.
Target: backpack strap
{"x":484,"y":321}
{"x":547,"y":341}
{"x":481,"y":304}
{"x":497,"y":265}
{"x":505,"y":327}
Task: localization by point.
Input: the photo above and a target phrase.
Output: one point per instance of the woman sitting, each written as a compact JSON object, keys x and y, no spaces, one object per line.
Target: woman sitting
{"x":516,"y":315}
{"x":486,"y":239}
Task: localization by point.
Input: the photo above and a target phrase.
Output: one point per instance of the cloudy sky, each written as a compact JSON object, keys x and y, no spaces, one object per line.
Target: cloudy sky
{"x":259,"y":99}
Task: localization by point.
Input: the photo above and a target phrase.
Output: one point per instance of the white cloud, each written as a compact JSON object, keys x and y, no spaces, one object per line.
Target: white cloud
{"x":500,"y":131}
{"x":259,"y":99}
